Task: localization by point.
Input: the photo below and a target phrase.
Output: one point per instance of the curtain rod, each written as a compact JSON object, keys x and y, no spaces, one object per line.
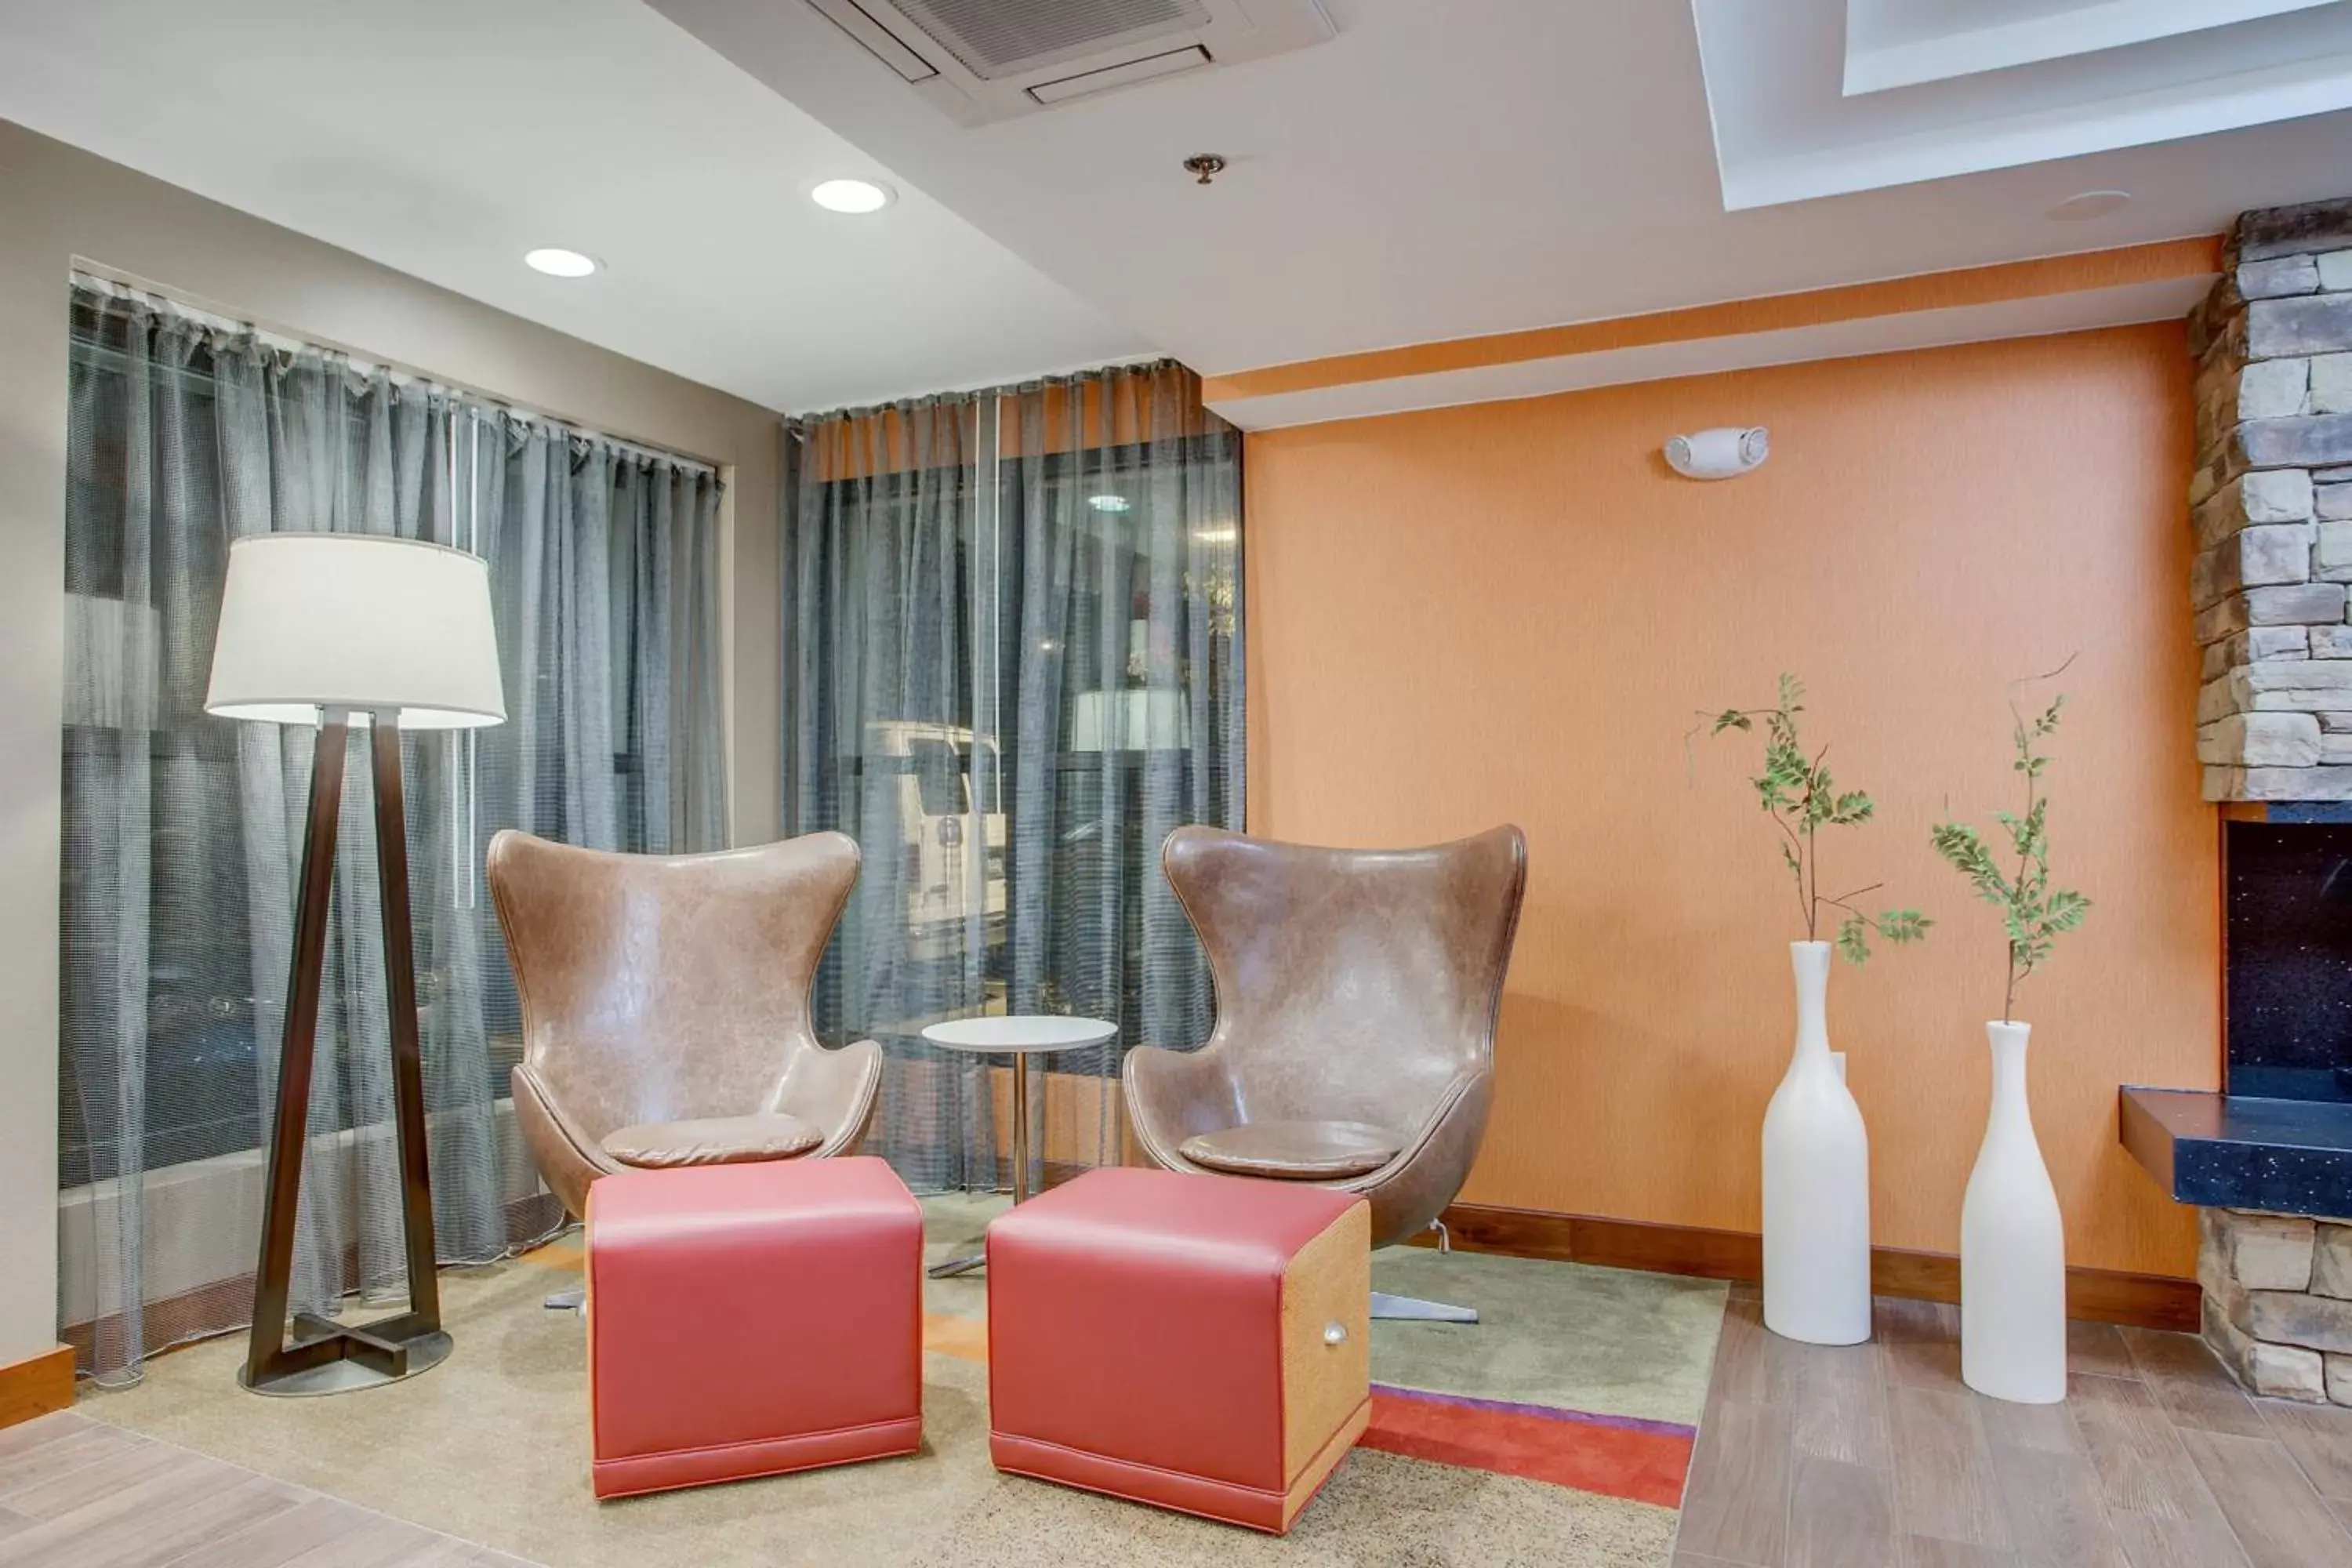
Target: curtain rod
{"x":211,"y":314}
{"x":974,"y":393}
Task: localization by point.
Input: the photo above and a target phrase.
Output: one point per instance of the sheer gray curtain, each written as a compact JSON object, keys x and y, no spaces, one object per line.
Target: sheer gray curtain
{"x":1013,"y":666}
{"x":182,"y":833}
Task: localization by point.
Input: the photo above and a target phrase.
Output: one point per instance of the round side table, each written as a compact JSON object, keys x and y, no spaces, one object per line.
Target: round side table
{"x":1020,"y":1037}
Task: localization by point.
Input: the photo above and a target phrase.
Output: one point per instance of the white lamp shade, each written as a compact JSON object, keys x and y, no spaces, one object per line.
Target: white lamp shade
{"x":387,"y":627}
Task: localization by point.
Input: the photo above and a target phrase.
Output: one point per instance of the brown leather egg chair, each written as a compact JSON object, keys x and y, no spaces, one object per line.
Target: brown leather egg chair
{"x":1354,"y":1044}
{"x":666,"y":1007}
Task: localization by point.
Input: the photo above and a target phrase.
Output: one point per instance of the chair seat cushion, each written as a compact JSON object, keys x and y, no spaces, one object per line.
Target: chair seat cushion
{"x":1295,"y":1151}
{"x":712,"y":1140}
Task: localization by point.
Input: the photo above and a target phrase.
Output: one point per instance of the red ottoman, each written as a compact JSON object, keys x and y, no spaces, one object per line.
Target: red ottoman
{"x":748,"y":1319}
{"x":1198,"y":1342}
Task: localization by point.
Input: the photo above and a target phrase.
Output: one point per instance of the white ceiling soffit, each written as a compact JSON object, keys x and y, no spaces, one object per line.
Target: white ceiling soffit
{"x":446,"y":138}
{"x":1995,"y":84}
{"x":983,"y":60}
{"x":1901,"y":43}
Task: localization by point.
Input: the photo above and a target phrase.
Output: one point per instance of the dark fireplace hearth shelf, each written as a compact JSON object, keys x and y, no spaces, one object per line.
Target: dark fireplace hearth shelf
{"x":2236,"y":1150}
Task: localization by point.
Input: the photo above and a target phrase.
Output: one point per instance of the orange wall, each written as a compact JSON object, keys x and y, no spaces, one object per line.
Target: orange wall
{"x":1514,"y":611}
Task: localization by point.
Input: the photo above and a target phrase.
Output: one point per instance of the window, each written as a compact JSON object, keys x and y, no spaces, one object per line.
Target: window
{"x":1015,"y":667}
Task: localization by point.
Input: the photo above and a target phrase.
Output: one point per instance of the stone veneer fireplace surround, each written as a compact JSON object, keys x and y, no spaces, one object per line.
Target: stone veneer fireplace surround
{"x":2272,"y":509}
{"x":2278,"y":1302}
{"x":2277,"y":1285}
{"x":2268,"y":1162}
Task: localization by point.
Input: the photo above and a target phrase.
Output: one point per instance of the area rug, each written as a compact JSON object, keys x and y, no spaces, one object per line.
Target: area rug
{"x":1556,"y":1431}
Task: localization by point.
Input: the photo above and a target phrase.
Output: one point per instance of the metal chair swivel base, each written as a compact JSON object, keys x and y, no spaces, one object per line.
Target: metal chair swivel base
{"x":1413,"y":1310}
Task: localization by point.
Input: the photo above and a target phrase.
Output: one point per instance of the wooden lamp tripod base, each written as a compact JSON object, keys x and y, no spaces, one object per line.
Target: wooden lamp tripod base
{"x":323,"y":1357}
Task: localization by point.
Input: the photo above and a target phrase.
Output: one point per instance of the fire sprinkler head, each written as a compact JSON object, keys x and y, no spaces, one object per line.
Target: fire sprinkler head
{"x":1207,"y":167}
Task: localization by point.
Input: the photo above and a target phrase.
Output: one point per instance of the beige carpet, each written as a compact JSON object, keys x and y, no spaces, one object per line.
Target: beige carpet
{"x":493,"y":1447}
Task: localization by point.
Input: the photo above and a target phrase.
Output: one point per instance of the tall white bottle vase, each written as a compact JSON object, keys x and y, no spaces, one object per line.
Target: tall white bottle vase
{"x":2012,"y":1247}
{"x":1816,"y":1182}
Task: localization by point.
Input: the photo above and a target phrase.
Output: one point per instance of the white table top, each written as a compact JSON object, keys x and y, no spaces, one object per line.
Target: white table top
{"x":1020,"y":1033}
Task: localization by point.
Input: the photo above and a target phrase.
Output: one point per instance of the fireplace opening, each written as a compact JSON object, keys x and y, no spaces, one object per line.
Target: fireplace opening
{"x":2287,"y":958}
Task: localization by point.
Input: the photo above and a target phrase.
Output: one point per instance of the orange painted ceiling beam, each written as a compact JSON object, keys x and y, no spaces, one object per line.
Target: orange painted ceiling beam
{"x":2156,"y":261}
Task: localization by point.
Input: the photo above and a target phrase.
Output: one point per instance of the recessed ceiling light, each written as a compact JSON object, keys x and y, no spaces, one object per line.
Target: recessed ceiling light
{"x":1110,"y":504}
{"x":2090,"y":204}
{"x":851,"y":196}
{"x":557,"y":262}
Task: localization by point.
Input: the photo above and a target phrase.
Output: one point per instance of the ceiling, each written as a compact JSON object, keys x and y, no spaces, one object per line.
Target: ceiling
{"x":1442,"y":171}
{"x":446,"y":137}
{"x":1808,"y":100}
{"x":1433,"y":171}
{"x":1898,"y":43}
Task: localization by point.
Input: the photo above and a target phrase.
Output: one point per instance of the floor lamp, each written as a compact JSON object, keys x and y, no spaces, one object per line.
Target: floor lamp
{"x":337,"y":630}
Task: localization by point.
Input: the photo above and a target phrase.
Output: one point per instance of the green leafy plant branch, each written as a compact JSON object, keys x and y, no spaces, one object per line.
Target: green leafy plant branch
{"x":1797,"y":792}
{"x":2033,"y":912}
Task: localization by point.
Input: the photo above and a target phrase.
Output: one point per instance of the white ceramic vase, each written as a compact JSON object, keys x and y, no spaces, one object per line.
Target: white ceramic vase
{"x":2012,"y":1247}
{"x":1816,"y":1182}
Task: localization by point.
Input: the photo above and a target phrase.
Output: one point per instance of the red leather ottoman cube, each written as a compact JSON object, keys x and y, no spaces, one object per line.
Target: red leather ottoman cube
{"x":1197,"y":1342}
{"x":751,"y":1319}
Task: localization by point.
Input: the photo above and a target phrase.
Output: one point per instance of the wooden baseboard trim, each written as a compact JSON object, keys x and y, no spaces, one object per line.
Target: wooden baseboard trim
{"x":36,"y":1385}
{"x":2094,"y":1295}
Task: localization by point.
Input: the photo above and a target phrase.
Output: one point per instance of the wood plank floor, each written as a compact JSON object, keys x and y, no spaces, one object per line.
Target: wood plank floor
{"x":1878,"y":1456}
{"x":77,"y":1493}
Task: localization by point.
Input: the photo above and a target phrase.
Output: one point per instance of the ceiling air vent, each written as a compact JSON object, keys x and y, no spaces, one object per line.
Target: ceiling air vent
{"x":980,"y":60}
{"x":998,"y":38}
